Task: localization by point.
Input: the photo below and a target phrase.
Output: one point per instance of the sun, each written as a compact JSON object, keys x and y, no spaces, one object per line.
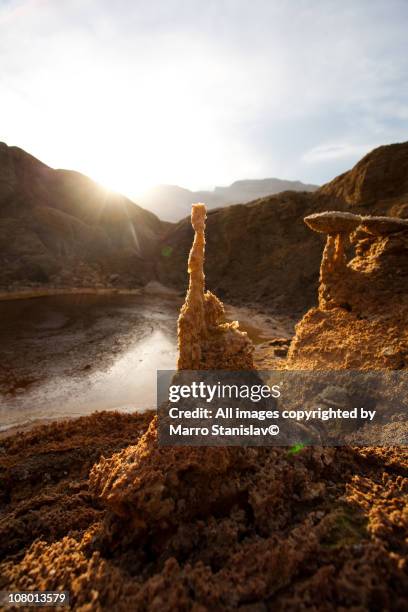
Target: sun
{"x":119,"y":168}
{"x":130,"y":135}
{"x":122,"y":182}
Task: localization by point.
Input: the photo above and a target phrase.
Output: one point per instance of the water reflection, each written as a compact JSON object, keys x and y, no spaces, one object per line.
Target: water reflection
{"x":68,"y":356}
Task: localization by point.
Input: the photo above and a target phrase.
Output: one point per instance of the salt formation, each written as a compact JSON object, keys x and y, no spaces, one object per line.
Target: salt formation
{"x":333,"y":223}
{"x":337,"y":226}
{"x":363,"y":295}
{"x":205,"y":341}
{"x":378,"y":243}
{"x":150,"y":485}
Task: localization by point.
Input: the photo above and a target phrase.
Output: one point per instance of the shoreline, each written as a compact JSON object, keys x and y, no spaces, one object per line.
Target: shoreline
{"x":260,"y":327}
{"x":51,"y":422}
{"x":28,"y":426}
{"x":151,"y":288}
{"x":24,"y":294}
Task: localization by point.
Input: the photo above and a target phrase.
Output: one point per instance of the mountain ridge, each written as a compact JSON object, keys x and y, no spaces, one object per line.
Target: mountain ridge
{"x":60,"y":229}
{"x":59,"y":226}
{"x":172,"y":202}
{"x":269,"y":257}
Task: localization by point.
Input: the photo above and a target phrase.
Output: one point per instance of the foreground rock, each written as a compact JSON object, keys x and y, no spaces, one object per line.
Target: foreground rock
{"x":159,"y":488}
{"x":149,"y":485}
{"x":306,"y":530}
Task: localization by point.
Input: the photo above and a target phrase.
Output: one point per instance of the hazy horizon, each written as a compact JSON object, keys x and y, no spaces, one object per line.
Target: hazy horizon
{"x":173,"y":93}
{"x":215,"y":187}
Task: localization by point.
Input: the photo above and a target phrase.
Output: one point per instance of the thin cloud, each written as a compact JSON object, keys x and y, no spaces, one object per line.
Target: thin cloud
{"x":203,"y":93}
{"x":322,"y":153}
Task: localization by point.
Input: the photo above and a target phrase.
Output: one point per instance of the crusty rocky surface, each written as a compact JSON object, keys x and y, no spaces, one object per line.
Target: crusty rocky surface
{"x":333,"y":222}
{"x":360,"y":321}
{"x":318,"y":529}
{"x":149,"y":485}
{"x":205,"y":340}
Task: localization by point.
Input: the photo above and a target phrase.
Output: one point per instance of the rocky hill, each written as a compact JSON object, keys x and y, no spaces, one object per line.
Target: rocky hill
{"x":256,"y":252}
{"x":380,"y":179}
{"x":58,"y":226}
{"x":172,"y":203}
{"x":263,"y":252}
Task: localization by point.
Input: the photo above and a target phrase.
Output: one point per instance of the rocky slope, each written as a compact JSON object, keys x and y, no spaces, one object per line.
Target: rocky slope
{"x":380,"y":179}
{"x":172,"y":203}
{"x":59,"y":227}
{"x":262,"y":251}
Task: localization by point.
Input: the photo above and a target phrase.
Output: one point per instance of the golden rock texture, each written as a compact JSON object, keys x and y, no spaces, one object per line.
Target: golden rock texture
{"x":147,"y":484}
{"x":223,"y":529}
{"x":205,"y":341}
{"x":328,"y":532}
{"x":150,"y":485}
{"x":361,"y":318}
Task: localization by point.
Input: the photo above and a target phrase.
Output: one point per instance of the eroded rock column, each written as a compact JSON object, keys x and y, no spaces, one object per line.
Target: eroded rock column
{"x":360,"y":322}
{"x":337,"y":226}
{"x":156,"y":488}
{"x":205,"y":340}
{"x":191,"y":322}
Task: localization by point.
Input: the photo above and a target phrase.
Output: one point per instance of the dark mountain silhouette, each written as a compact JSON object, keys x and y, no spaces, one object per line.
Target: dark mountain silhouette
{"x":59,"y":228}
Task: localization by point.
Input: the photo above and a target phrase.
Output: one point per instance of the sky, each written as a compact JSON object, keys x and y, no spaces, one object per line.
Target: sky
{"x":201,"y":93}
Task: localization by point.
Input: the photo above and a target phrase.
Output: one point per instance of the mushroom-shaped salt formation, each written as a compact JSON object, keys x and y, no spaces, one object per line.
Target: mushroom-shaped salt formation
{"x":205,"y":340}
{"x":360,"y":321}
{"x":157,"y":487}
{"x":337,"y":225}
{"x":377,"y":244}
{"x":333,"y":222}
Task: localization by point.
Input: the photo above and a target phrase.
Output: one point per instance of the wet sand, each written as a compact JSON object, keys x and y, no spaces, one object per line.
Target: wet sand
{"x":65,"y":356}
